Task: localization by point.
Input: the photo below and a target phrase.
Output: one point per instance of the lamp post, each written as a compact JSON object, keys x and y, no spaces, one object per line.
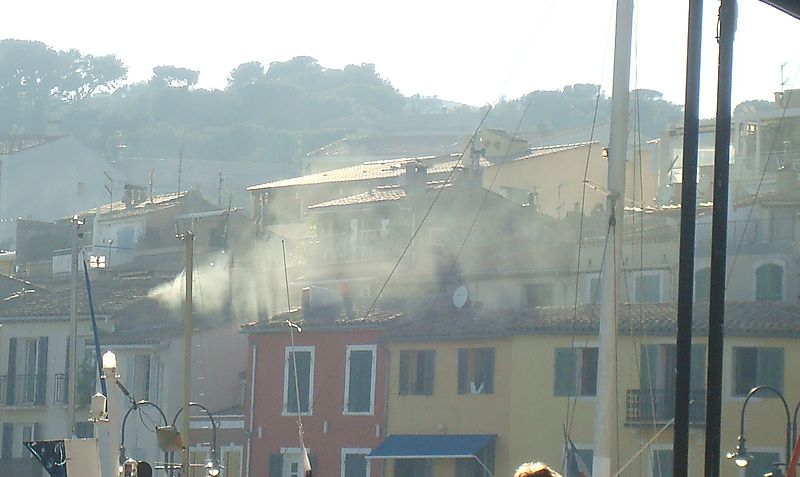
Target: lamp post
{"x":212,"y":466}
{"x":741,"y":457}
{"x":111,"y":465}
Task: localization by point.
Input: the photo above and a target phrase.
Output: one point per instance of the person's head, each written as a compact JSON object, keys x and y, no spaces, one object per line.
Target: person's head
{"x":535,"y":469}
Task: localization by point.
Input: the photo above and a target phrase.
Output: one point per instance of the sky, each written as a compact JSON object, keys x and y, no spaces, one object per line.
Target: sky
{"x":466,"y":51}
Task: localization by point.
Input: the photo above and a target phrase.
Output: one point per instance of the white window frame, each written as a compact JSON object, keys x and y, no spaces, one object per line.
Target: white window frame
{"x":286,"y":367}
{"x":353,"y":450}
{"x":653,"y":449}
{"x":761,"y":263}
{"x":579,"y":395}
{"x":295,"y":457}
{"x":648,"y":273}
{"x":374,"y":349}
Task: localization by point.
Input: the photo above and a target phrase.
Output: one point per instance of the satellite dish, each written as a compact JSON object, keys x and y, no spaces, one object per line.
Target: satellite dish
{"x":460,"y":296}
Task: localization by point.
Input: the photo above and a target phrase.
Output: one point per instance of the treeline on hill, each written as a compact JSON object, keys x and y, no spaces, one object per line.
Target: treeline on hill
{"x":275,"y":113}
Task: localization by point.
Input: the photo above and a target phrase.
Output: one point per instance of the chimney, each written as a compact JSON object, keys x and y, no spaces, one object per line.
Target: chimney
{"x":416,"y":179}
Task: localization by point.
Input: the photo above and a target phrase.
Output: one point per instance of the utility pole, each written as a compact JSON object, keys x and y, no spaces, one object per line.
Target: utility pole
{"x":73,"y":321}
{"x":188,"y":236}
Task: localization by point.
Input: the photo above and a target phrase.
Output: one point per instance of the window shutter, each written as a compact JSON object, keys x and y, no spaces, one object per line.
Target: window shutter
{"x":8,"y":439}
{"x":564,"y":375}
{"x":11,"y":379}
{"x":488,"y":383}
{"x":698,"y":367}
{"x":647,"y":380}
{"x":403,"y":373}
{"x":275,"y":465}
{"x":430,"y":361}
{"x":770,"y":368}
{"x":41,"y":371}
{"x":360,"y":381}
{"x":463,"y":356}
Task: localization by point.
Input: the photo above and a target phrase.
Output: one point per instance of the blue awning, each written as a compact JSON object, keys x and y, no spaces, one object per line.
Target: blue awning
{"x":423,"y":446}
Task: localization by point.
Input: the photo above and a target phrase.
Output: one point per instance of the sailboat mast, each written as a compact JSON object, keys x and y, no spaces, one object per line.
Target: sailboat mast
{"x":605,"y":418}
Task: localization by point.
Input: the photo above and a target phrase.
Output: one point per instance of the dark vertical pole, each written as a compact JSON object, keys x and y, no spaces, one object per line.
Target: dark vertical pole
{"x":719,"y":237}
{"x":691,"y":131}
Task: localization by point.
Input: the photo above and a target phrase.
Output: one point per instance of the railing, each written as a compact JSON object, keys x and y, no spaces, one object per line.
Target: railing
{"x":752,"y":232}
{"x":61,"y":389}
{"x":23,"y":390}
{"x":643,"y":407}
{"x":353,"y":247}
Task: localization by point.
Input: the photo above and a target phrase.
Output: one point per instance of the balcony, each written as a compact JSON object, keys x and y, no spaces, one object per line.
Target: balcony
{"x":23,"y":390}
{"x":363,"y":245}
{"x":61,"y":389}
{"x":644,"y":407}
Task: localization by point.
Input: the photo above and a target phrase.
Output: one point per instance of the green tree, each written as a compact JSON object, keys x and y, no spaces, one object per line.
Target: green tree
{"x":174,"y":76}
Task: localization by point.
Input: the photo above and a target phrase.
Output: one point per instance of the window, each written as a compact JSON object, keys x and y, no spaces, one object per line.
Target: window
{"x":757,"y":367}
{"x":359,"y":385}
{"x":141,"y":376}
{"x":416,"y":372}
{"x":26,"y":383}
{"x":354,"y":463}
{"x":232,"y":461}
{"x":476,"y":371}
{"x":761,"y":463}
{"x":661,"y":462}
{"x":124,"y":239}
{"x":769,"y":282}
{"x":593,"y":288}
{"x":702,"y":284}
{"x":586,"y":455}
{"x":656,"y":394}
{"x":298,"y":389}
{"x":647,"y":288}
{"x":538,"y":294}
{"x":288,"y":463}
{"x":473,"y":468}
{"x":576,"y":371}
{"x":413,"y":468}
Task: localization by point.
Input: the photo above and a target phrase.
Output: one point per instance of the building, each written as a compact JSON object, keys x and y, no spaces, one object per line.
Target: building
{"x":471,"y":389}
{"x":339,"y":368}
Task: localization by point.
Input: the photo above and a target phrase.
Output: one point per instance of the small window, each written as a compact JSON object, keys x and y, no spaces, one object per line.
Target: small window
{"x":538,"y":294}
{"x":360,"y":379}
{"x":476,"y":371}
{"x":661,"y":462}
{"x":413,"y":468}
{"x":298,"y":389}
{"x":757,"y":367}
{"x":769,"y":283}
{"x":647,"y":288}
{"x":576,"y":371}
{"x":416,"y":372}
{"x":354,"y":463}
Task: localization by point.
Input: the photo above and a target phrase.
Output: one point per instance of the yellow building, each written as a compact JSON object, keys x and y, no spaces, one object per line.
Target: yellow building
{"x":498,"y":388}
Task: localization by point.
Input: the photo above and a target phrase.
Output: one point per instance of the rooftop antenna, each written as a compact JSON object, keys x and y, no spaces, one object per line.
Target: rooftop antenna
{"x":150,"y":184}
{"x":110,"y":189}
{"x":219,"y":190}
{"x":784,"y":79}
{"x":180,"y":164}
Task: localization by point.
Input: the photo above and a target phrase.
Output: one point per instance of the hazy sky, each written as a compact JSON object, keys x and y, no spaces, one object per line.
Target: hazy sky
{"x":467,"y":51}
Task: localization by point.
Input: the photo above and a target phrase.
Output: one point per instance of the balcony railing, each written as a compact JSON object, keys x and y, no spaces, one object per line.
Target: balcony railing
{"x":645,"y":407}
{"x":60,"y":389}
{"x":752,"y":232}
{"x":23,"y":390}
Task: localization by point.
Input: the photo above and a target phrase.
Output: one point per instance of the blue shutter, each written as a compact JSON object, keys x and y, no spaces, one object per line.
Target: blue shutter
{"x":430,"y":364}
{"x":41,"y":371}
{"x":403,"y":373}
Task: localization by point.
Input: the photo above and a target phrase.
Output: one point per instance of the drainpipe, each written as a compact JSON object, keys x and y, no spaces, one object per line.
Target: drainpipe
{"x":252,"y":407}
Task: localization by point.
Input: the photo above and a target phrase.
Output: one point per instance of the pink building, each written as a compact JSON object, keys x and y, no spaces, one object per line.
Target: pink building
{"x":341,"y":378}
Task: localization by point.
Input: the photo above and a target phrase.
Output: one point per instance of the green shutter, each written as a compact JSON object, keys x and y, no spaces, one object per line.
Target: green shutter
{"x":41,"y":371}
{"x":430,"y":365}
{"x":275,"y":465}
{"x":360,"y":381}
{"x":648,"y":369}
{"x":463,"y":358}
{"x":770,"y":368}
{"x":488,"y":371}
{"x":564,"y":374}
{"x":403,"y":373}
{"x":698,"y":367}
{"x":11,"y":379}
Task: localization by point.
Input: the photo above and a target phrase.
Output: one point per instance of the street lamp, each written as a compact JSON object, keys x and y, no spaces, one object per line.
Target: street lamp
{"x":137,"y":405}
{"x":212,"y":467}
{"x":741,"y":457}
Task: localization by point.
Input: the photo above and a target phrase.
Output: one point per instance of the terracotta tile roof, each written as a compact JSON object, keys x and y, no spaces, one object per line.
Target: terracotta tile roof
{"x":380,"y":194}
{"x":109,"y":296}
{"x":368,"y":171}
{"x":118,"y":208}
{"x":363,"y":319}
{"x":766,"y":319}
